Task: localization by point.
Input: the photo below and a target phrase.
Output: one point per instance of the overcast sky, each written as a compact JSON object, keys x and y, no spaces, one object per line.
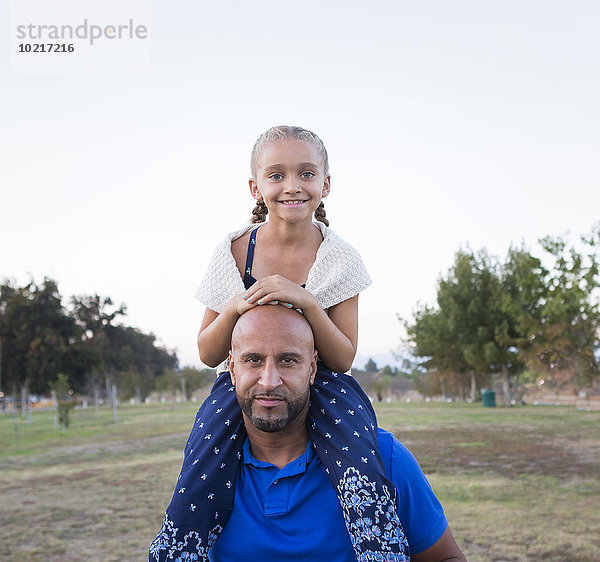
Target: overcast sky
{"x":447,"y":124}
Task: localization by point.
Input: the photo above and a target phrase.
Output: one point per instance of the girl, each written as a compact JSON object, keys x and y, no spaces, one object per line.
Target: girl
{"x":295,"y":262}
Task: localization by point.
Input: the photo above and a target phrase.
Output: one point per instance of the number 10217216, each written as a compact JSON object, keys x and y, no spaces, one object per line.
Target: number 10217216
{"x":46,"y":47}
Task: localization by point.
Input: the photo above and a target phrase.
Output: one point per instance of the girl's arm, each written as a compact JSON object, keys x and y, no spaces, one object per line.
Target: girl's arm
{"x":336,"y":333}
{"x":214,"y":339}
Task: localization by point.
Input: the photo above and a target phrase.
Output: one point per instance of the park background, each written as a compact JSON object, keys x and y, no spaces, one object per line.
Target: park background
{"x":449,"y":125}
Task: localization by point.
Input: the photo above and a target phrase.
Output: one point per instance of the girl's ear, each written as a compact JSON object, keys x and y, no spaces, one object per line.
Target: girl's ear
{"x":326,"y":186}
{"x":254,"y":189}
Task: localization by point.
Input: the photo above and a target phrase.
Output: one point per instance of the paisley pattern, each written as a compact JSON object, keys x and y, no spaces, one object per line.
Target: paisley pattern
{"x":343,"y":429}
{"x":357,"y":496}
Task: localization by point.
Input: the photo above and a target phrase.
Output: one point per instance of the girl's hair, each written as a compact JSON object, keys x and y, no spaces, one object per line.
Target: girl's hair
{"x":283,"y":133}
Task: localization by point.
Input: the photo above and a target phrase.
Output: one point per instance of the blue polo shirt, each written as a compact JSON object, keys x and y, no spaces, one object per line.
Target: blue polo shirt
{"x":293,"y":513}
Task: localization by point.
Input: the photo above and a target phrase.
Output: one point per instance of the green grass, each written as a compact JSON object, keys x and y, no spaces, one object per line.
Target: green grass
{"x":516,"y":484}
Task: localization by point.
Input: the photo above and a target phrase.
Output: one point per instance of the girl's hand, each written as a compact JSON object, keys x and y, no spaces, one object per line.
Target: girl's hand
{"x":276,"y":289}
{"x":240,"y":305}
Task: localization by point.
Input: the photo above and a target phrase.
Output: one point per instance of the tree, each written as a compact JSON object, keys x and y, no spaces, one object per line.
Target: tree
{"x":186,"y":381}
{"x":371,"y":366}
{"x":457,"y":338}
{"x":507,"y":318}
{"x":120,"y":354}
{"x":524,"y":280}
{"x":40,"y":339}
{"x":64,"y":400}
{"x":380,"y":385}
{"x":137,"y":361}
{"x":36,"y":336}
{"x":95,"y":316}
{"x":565,"y":345}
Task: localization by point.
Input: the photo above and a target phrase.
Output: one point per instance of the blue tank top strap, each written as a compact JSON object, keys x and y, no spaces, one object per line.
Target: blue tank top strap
{"x":248,"y":279}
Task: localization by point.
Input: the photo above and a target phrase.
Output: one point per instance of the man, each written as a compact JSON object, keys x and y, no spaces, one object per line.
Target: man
{"x":285,"y":507}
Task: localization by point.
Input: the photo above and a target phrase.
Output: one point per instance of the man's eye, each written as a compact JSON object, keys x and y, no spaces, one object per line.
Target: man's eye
{"x":288,"y":360}
{"x":253,"y":360}
{"x":276,"y":177}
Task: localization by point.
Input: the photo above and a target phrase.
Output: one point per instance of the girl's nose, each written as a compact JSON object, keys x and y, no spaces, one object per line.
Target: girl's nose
{"x":292,"y":186}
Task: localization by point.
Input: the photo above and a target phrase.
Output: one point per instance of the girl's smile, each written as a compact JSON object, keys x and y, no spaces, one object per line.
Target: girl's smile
{"x":294,"y":202}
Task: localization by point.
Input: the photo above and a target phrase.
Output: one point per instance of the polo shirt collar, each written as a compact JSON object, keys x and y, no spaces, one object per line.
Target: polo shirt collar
{"x":296,"y":466}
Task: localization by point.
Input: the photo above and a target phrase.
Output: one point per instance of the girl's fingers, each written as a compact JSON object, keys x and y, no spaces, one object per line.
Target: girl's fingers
{"x":266,"y":299}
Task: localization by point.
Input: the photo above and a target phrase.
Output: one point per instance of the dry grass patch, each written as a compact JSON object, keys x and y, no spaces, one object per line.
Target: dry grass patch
{"x":517,"y":484}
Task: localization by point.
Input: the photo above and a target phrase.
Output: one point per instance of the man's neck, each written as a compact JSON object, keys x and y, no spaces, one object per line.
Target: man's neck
{"x":280,"y":447}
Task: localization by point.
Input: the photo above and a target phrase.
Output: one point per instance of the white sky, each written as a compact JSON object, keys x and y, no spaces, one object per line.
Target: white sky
{"x":447,"y":123}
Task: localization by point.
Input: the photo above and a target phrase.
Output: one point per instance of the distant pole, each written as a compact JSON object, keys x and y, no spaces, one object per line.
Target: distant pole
{"x":14,"y":418}
{"x":55,"y":408}
{"x":96,"y":400}
{"x":114,"y":401}
{"x":183,"y":389}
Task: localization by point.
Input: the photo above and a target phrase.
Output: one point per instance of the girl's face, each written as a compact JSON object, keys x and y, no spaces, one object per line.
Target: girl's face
{"x":291,"y":180}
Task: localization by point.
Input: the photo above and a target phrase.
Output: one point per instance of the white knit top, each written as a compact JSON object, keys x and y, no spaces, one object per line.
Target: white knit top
{"x":337,"y":274}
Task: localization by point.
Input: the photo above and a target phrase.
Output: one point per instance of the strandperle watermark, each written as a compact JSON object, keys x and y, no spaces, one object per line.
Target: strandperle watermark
{"x":80,"y":36}
{"x":89,"y":32}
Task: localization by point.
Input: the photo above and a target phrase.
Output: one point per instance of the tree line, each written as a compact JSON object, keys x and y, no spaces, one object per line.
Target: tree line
{"x":86,"y":343}
{"x":524,"y":317}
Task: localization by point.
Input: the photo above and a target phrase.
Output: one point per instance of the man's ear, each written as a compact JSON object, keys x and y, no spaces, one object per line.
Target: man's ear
{"x":313,"y":367}
{"x":231,"y":368}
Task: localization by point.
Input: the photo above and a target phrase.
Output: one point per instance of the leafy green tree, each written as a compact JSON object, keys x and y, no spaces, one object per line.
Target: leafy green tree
{"x":186,"y":381}
{"x":456,"y":338}
{"x":512,"y":317}
{"x":64,"y":400}
{"x":36,"y":335}
{"x":380,"y":385}
{"x":120,"y":354}
{"x":523,"y":280}
{"x":195,"y":379}
{"x":95,"y":315}
{"x":565,"y":346}
{"x":371,"y":366}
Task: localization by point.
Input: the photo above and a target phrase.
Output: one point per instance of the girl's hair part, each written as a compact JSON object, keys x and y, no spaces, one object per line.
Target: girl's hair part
{"x":259,"y":213}
{"x":283,"y":133}
{"x":320,"y":214}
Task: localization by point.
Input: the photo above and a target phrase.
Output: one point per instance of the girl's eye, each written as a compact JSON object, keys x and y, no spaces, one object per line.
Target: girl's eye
{"x":307,"y":175}
{"x":276,"y":177}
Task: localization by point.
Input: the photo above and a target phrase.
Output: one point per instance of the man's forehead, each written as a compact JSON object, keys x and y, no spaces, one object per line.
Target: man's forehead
{"x":273,"y":343}
{"x":273,"y":325}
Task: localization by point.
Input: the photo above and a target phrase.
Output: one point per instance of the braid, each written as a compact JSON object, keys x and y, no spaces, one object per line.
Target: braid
{"x":259,"y":213}
{"x":320,"y":214}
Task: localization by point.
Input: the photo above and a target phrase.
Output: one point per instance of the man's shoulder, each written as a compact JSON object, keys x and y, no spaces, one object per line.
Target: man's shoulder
{"x":396,"y":457}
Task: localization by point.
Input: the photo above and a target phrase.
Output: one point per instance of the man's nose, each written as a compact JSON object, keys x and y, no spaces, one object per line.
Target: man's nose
{"x":270,"y":378}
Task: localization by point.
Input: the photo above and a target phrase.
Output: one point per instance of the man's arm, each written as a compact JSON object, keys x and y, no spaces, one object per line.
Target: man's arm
{"x":444,"y":550}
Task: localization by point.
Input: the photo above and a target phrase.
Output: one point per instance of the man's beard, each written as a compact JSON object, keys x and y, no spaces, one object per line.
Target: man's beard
{"x":274,"y":422}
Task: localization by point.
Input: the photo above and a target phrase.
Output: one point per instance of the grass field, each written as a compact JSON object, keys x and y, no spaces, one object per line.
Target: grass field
{"x":516,"y":484}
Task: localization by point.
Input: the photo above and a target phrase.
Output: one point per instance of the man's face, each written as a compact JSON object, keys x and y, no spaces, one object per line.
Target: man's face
{"x":272,"y":365}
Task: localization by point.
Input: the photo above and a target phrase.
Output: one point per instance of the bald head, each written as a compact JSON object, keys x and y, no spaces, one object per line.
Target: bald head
{"x":279,"y":322}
